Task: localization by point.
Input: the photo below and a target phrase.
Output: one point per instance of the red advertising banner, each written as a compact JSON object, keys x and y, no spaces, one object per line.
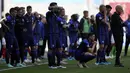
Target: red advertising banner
{"x":126,"y":8}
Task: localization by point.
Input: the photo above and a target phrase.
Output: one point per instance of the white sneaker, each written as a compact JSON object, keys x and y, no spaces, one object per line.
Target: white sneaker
{"x":9,"y":65}
{"x":43,"y":57}
{"x":96,"y":63}
{"x":80,"y":65}
{"x":20,"y":65}
{"x":52,"y":67}
{"x":61,"y":67}
{"x":107,"y":57}
{"x":27,"y":61}
{"x":62,"y":62}
{"x":85,"y":65}
{"x":24,"y":63}
{"x":38,"y":60}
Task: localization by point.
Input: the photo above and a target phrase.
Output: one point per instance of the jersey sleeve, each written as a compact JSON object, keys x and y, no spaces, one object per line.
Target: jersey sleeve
{"x":8,"y":19}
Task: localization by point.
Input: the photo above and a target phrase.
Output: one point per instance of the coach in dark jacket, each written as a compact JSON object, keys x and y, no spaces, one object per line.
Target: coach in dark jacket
{"x":117,"y":29}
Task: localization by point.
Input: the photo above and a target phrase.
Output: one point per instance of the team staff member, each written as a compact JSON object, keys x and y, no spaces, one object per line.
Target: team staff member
{"x":117,"y":30}
{"x":19,"y":32}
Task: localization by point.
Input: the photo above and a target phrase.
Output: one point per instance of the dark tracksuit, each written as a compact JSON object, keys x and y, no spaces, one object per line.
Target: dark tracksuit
{"x":102,"y":35}
{"x":127,"y":36}
{"x":73,"y":35}
{"x":28,"y":35}
{"x":54,"y":42}
{"x":11,"y":41}
{"x":19,"y":35}
{"x":80,"y":52}
{"x":117,"y":30}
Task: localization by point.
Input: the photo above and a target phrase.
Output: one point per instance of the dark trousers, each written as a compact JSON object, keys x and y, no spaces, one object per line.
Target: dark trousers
{"x":118,"y":41}
{"x":22,"y":53}
{"x":127,"y":45}
{"x":21,"y":48}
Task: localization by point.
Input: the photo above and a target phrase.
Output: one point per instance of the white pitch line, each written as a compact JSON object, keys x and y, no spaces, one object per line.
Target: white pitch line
{"x":20,"y":67}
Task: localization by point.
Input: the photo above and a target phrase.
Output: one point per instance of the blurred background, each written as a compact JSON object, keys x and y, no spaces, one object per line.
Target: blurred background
{"x":71,"y":6}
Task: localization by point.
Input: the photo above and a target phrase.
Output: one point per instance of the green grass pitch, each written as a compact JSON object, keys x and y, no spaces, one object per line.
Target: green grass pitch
{"x":73,"y":68}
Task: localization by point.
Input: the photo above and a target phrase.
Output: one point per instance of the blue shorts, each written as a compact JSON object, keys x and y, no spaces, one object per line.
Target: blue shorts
{"x":11,"y":43}
{"x":29,"y":41}
{"x":103,"y":39}
{"x":54,"y":41}
{"x":73,"y":38}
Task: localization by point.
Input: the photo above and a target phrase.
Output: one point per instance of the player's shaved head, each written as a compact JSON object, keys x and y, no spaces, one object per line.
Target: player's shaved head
{"x":119,"y":9}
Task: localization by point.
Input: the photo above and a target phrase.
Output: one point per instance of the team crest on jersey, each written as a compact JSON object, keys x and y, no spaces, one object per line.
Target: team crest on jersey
{"x":102,"y":42}
{"x":87,"y":45}
{"x":53,"y":45}
{"x":22,"y":20}
{"x":26,"y":44}
{"x":100,"y":18}
{"x":62,"y":23}
{"x":11,"y":46}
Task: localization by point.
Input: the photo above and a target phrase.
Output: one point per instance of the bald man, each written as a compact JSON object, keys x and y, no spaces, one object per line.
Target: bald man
{"x":117,"y":29}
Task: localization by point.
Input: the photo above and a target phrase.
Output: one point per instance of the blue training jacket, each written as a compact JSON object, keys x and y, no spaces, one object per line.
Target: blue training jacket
{"x":39,"y":29}
{"x":10,"y":22}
